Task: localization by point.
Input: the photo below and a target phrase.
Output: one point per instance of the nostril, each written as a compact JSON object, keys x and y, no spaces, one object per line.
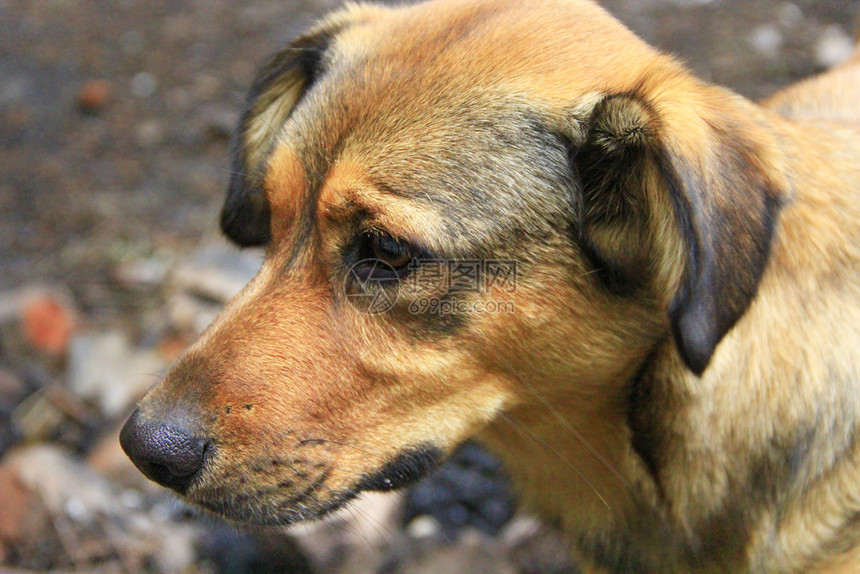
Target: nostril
{"x":166,"y":454}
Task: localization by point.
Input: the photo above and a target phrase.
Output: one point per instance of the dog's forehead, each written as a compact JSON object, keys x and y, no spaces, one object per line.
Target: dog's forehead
{"x":470,"y":158}
{"x":446,"y":103}
{"x":445,"y":74}
{"x":557,"y":47}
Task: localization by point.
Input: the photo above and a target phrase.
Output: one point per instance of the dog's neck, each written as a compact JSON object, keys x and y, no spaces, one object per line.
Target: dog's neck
{"x":628,"y":463}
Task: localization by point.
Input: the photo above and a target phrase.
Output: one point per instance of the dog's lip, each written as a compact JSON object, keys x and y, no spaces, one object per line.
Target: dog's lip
{"x":404,"y":469}
{"x":273,"y":517}
{"x":408,"y":467}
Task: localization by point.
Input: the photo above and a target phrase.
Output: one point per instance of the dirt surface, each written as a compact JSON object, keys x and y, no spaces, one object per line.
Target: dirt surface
{"x":115,"y":125}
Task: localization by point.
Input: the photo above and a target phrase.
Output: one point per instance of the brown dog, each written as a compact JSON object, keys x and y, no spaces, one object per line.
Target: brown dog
{"x":673,"y":378}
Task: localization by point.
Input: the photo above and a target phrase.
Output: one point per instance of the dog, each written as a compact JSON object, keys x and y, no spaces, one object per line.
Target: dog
{"x":672,"y":379}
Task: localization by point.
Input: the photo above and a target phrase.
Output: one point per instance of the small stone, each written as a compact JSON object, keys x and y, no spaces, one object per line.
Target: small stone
{"x":149,"y":134}
{"x":77,"y":511}
{"x":423,"y":527}
{"x":37,"y":418}
{"x":47,"y":324}
{"x":93,"y":96}
{"x":790,"y":14}
{"x":767,"y":40}
{"x":131,"y":499}
{"x":143,"y":85}
{"x":147,"y":272}
{"x":834,"y":47}
{"x":15,"y":91}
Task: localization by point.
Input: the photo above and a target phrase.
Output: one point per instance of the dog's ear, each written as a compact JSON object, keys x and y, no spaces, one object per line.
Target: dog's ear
{"x":277,"y":89}
{"x":706,"y":174}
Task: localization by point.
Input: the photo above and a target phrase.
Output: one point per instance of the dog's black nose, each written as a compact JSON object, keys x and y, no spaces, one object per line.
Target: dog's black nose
{"x":166,"y":454}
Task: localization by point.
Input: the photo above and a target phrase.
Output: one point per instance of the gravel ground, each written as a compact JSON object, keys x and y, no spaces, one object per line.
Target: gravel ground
{"x":115,"y":121}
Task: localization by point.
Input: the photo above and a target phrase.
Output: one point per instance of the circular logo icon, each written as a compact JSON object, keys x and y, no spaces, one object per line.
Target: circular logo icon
{"x":372,"y":286}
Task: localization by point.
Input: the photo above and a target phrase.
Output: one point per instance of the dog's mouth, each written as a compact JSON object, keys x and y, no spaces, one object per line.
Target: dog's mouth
{"x":301,"y":490}
{"x":275,"y":507}
{"x":406,"y":468}
{"x":274,"y":482}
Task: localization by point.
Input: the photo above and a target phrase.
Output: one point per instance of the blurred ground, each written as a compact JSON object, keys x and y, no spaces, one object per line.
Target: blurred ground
{"x":115,"y":119}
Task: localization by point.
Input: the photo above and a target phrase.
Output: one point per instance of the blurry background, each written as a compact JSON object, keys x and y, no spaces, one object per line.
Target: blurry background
{"x":115,"y":122}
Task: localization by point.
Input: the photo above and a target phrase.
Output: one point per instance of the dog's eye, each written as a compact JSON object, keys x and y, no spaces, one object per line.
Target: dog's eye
{"x":378,"y":255}
{"x":390,"y":250}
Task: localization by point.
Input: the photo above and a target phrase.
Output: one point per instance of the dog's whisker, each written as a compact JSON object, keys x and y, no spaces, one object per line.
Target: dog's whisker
{"x":355,"y":511}
{"x":339,"y":443}
{"x":230,"y":171}
{"x":382,"y":531}
{"x":592,"y":272}
{"x":360,"y":515}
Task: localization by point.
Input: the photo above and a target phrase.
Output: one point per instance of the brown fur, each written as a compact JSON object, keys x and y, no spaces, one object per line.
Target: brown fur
{"x":678,"y":387}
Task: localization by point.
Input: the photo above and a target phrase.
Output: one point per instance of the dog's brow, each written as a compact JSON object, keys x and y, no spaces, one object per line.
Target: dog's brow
{"x":405,"y":193}
{"x":281,"y":140}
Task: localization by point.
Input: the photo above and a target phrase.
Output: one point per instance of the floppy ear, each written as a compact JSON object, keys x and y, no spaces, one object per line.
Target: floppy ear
{"x":278,"y":87}
{"x":715,"y":180}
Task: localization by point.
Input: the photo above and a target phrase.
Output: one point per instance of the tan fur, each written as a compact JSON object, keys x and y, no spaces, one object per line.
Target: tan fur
{"x":712,"y":209}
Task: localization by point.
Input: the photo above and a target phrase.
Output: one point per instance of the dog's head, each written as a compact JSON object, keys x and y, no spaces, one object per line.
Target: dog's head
{"x":466,"y":207}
